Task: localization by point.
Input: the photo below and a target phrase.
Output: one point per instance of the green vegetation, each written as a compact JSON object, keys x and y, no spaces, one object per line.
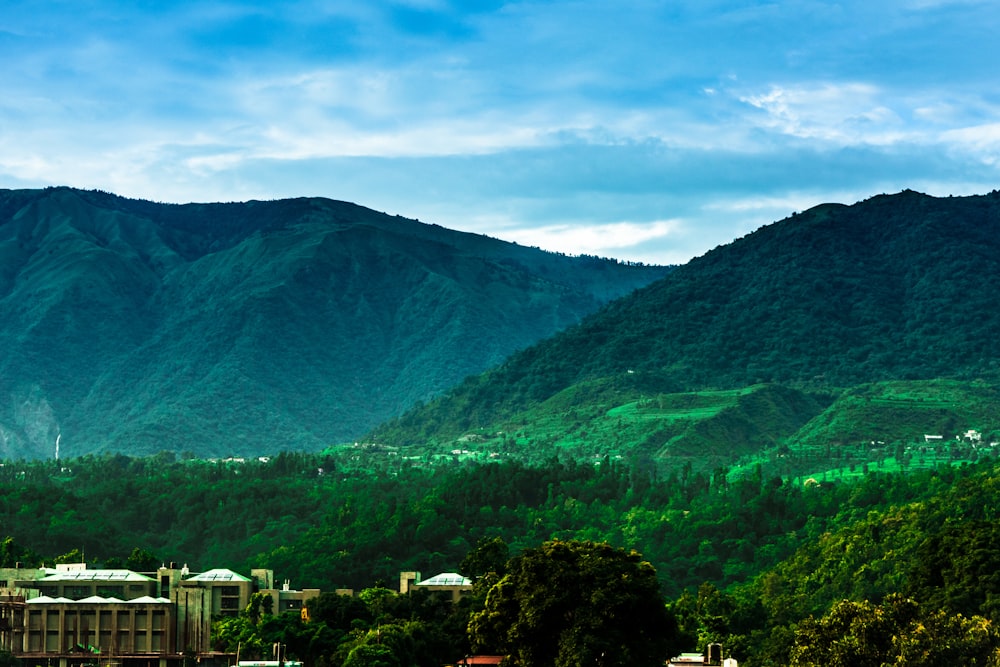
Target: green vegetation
{"x":895,"y":633}
{"x":240,"y":329}
{"x":797,"y":431}
{"x":756,"y":562}
{"x":895,"y":288}
{"x":575,"y":603}
{"x":376,"y":628}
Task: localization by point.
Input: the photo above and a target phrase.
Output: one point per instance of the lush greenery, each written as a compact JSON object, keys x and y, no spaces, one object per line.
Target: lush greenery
{"x":797,"y":432}
{"x":576,"y":603}
{"x":898,"y":287}
{"x":377,"y":628}
{"x":242,"y":329}
{"x":336,"y":523}
{"x":742,"y":558}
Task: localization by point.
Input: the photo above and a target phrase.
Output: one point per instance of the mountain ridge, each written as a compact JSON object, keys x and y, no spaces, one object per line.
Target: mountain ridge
{"x":894,"y":287}
{"x":257,"y":327}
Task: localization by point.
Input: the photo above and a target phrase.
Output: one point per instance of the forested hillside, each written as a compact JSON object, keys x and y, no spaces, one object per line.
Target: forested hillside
{"x":898,"y":287}
{"x":754,"y":561}
{"x":251,"y":328}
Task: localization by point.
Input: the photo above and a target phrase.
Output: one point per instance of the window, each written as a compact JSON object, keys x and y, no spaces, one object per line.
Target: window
{"x":111,"y":592}
{"x":77,"y":592}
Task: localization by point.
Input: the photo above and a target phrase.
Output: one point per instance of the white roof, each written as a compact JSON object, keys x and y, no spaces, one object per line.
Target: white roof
{"x":218,"y":575}
{"x":95,"y":575}
{"x":96,"y":599}
{"x":446,"y":579}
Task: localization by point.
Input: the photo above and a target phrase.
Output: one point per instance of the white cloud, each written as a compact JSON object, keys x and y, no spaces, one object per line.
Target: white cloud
{"x":692,"y":121}
{"x":592,"y":239}
{"x":977,"y":136}
{"x":841,"y":113}
{"x":981,"y":142}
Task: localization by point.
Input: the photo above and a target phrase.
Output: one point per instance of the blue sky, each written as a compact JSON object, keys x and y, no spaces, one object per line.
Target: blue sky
{"x":644,"y":130}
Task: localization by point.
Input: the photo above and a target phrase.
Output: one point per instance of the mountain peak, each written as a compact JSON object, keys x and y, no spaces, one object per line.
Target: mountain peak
{"x":243,"y":328}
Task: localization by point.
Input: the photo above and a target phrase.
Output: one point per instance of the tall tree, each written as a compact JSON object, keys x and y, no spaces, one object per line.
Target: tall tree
{"x":573,"y":603}
{"x":862,"y":634}
{"x":485,"y":564}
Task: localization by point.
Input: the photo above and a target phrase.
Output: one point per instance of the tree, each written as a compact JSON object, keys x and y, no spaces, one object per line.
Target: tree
{"x":375,"y":598}
{"x":141,"y":560}
{"x":12,"y":553}
{"x":339,"y":612}
{"x":862,"y":634}
{"x":73,"y":556}
{"x":485,"y":564}
{"x":573,"y":603}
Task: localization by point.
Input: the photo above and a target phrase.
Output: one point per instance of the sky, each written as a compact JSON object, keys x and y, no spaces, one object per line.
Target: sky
{"x":648,"y":131}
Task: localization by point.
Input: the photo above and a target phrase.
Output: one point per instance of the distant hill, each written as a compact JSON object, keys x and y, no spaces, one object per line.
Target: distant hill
{"x":249,"y":328}
{"x":898,"y":287}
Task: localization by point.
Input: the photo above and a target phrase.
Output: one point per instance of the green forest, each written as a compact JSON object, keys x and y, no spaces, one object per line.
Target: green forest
{"x":786,"y":447}
{"x":765,"y":564}
{"x":897,"y":288}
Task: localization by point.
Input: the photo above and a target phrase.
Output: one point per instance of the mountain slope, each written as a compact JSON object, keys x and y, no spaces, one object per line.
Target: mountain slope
{"x":895,"y":287}
{"x":250,"y":328}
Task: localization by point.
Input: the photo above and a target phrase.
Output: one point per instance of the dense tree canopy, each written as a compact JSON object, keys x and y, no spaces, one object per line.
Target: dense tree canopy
{"x":862,"y":634}
{"x":741,"y":559}
{"x":576,"y":603}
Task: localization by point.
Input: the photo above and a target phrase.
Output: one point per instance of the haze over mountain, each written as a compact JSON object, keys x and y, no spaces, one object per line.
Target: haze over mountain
{"x":249,"y":328}
{"x":897,"y":287}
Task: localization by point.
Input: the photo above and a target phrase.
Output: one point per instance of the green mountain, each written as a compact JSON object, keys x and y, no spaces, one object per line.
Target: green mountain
{"x":250,"y":328}
{"x":898,"y":287}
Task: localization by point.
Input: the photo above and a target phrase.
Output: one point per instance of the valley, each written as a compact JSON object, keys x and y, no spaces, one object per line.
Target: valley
{"x":794,"y":429}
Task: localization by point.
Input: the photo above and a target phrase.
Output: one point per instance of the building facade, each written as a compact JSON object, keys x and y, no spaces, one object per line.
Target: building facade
{"x":73,"y":616}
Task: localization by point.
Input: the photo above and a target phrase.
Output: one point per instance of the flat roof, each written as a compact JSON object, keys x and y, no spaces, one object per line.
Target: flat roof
{"x":94,"y":575}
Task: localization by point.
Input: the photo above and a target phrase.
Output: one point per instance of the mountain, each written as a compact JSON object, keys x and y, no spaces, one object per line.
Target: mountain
{"x":249,"y":328}
{"x":897,"y":287}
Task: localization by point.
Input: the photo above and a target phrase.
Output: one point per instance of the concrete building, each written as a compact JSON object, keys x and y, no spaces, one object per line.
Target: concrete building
{"x":284,"y":598}
{"x":72,"y":616}
{"x":455,"y":585}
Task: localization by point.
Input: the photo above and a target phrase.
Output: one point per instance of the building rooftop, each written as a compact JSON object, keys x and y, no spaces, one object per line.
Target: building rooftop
{"x":220,"y":574}
{"x":95,"y":575}
{"x":96,"y":599}
{"x":446,"y":579}
{"x":481,"y":660}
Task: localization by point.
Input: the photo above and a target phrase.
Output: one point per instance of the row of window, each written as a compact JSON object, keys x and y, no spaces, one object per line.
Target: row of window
{"x":140,"y":643}
{"x":140,"y":620}
{"x":78,"y":592}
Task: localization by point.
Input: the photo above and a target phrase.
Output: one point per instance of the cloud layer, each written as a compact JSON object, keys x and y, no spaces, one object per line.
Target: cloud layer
{"x":643,"y":130}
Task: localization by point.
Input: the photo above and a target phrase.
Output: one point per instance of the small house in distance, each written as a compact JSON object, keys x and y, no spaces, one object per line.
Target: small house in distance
{"x":451,"y":583}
